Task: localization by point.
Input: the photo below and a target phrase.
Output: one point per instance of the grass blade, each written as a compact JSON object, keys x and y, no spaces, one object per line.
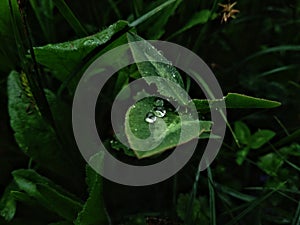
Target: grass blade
{"x":296,"y":219}
{"x":277,"y":70}
{"x":212,"y":203}
{"x":253,"y":205}
{"x":70,"y":17}
{"x":151,"y":13}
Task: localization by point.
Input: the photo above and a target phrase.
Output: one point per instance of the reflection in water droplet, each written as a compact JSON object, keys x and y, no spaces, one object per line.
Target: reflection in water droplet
{"x":160,"y":111}
{"x":159,"y":102}
{"x":150,"y":117}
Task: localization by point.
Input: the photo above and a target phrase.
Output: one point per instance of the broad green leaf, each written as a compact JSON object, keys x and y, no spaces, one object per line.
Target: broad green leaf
{"x":235,"y":101}
{"x":242,"y":132}
{"x":260,"y":138}
{"x":270,"y":163}
{"x":49,"y":195}
{"x":32,"y":133}
{"x":144,"y":51}
{"x":62,"y":58}
{"x":93,"y":212}
{"x":8,"y":203}
{"x":162,"y":135}
{"x":198,"y":18}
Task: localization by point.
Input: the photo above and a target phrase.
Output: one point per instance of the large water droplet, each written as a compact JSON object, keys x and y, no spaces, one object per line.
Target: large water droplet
{"x":150,"y":117}
{"x":159,"y":111}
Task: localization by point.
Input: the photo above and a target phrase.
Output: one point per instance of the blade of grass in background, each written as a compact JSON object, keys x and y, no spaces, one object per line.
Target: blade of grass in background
{"x":253,"y":205}
{"x":151,"y":13}
{"x":281,"y":48}
{"x":44,"y":13}
{"x":212,"y":203}
{"x":296,"y":219}
{"x":115,"y":8}
{"x":279,"y":69}
{"x":188,"y":214}
{"x":201,"y":17}
{"x":70,"y":17}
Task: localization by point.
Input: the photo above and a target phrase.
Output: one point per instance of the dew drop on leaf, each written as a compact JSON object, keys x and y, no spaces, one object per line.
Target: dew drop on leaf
{"x":150,"y":117}
{"x":159,"y":102}
{"x":160,"y":111}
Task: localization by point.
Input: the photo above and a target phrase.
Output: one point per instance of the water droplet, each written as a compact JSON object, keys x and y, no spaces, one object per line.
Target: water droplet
{"x":150,"y":117}
{"x":161,"y":52}
{"x":90,"y":42}
{"x":159,"y":102}
{"x":160,"y":111}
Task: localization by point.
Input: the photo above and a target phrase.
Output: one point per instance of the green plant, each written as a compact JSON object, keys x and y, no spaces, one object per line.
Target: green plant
{"x":255,"y":175}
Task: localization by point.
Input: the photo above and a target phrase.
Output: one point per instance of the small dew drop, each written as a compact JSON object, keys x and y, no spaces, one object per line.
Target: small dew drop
{"x":159,"y":111}
{"x":159,"y":102}
{"x":150,"y":117}
{"x":90,"y":42}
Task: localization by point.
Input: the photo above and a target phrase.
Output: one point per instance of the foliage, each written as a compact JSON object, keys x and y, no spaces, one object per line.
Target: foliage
{"x":47,"y":45}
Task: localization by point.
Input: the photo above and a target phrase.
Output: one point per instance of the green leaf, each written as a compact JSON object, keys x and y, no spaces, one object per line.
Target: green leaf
{"x":23,"y":197}
{"x":8,"y":203}
{"x":62,"y":58}
{"x":293,"y":150}
{"x":144,"y":51}
{"x":235,"y":101}
{"x":198,"y":18}
{"x":165,"y":132}
{"x":270,"y":163}
{"x":242,"y":132}
{"x":32,"y":133}
{"x":49,"y":195}
{"x":93,"y":212}
{"x":260,"y":138}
